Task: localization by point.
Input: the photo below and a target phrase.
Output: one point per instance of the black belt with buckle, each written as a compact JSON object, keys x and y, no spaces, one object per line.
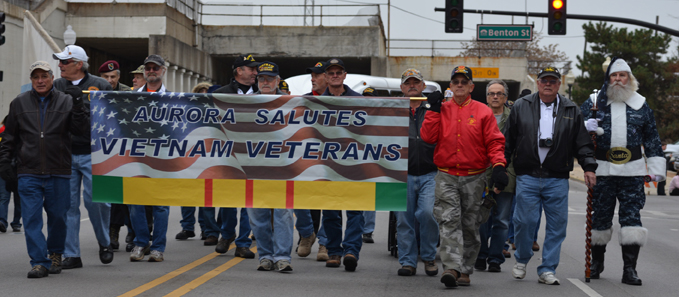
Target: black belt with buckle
{"x":619,"y":155}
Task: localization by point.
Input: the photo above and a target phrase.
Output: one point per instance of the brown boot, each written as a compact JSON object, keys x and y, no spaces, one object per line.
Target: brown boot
{"x":449,"y":278}
{"x":464,"y":280}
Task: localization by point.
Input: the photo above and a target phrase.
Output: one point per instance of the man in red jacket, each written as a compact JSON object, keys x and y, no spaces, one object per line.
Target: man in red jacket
{"x":467,"y":141}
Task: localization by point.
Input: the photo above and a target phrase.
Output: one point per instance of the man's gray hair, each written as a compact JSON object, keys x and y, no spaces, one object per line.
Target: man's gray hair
{"x":499,"y":82}
{"x":85,"y":64}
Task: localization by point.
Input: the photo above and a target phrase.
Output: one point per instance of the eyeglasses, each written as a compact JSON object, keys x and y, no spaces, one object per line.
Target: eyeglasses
{"x":65,"y":62}
{"x":459,"y":82}
{"x":338,"y":73}
{"x":545,"y":81}
{"x":154,"y":68}
{"x":266,"y":78}
{"x":499,"y":94}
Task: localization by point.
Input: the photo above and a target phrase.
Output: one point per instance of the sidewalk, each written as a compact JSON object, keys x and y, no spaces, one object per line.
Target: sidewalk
{"x":579,"y":175}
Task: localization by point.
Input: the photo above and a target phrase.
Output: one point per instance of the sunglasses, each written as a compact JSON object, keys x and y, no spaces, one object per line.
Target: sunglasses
{"x":338,"y":73}
{"x":154,"y":68}
{"x":459,"y":82}
{"x":65,"y":62}
{"x":545,"y":81}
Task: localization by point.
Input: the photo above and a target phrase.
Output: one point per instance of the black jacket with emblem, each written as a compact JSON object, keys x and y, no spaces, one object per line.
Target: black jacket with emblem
{"x":570,"y":140}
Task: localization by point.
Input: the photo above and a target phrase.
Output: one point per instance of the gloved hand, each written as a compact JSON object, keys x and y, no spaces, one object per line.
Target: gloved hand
{"x":7,"y":172}
{"x":591,"y":125}
{"x":435,"y":99}
{"x":77,"y":95}
{"x":499,"y":179}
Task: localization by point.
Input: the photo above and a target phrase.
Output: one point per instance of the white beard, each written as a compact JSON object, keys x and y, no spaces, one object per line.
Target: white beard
{"x":618,"y":92}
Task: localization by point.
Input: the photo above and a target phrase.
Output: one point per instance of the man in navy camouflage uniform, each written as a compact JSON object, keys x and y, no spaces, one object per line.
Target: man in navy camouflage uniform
{"x":627,"y":133}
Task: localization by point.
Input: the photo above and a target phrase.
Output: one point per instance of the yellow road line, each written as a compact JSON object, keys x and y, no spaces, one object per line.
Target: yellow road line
{"x":206,"y":277}
{"x":150,"y":285}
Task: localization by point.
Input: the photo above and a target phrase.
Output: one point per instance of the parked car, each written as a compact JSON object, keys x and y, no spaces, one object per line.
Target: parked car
{"x":384,"y":86}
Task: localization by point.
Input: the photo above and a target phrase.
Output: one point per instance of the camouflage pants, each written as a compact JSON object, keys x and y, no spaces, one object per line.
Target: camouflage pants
{"x":457,"y":206}
{"x":629,"y":190}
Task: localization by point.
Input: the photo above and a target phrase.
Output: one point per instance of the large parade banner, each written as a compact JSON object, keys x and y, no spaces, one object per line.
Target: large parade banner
{"x":261,"y":151}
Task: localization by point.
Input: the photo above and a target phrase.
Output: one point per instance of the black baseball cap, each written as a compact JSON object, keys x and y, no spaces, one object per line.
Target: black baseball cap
{"x":267,"y":68}
{"x":282,"y":85}
{"x":335,"y":62}
{"x":464,"y":70}
{"x":155,"y":59}
{"x":318,"y":68}
{"x":369,"y":92}
{"x":244,"y":60}
{"x":549,"y":71}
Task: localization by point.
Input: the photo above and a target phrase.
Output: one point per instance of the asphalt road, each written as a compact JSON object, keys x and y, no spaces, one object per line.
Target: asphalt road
{"x":191,"y":269}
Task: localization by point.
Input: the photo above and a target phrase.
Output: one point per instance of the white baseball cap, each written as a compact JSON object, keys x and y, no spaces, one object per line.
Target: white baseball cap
{"x":71,"y":51}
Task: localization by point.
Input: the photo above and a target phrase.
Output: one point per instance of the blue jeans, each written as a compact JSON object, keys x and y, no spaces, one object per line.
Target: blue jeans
{"x":226,"y":223}
{"x":530,"y":193}
{"x":322,"y":238}
{"x":141,"y":227}
{"x":420,"y":209}
{"x":304,"y":223}
{"x":496,"y":228}
{"x":353,"y":235}
{"x":369,"y":218}
{"x":275,"y":244}
{"x":188,"y":220}
{"x":99,"y":213}
{"x":4,"y":206}
{"x":53,"y":194}
{"x":510,"y":234}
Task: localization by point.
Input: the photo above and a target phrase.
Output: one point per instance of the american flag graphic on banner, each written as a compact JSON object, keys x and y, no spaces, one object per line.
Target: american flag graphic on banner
{"x":209,"y":138}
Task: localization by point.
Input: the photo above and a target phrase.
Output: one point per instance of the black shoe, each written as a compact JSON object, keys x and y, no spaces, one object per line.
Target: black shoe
{"x":244,"y":252}
{"x":407,"y":271}
{"x":202,"y":235}
{"x":129,"y":247}
{"x":598,"y":255}
{"x":368,"y":238}
{"x":3,"y":228}
{"x":480,"y":264}
{"x":350,"y":262}
{"x":494,"y":267}
{"x":211,"y":240}
{"x":630,"y":254}
{"x":16,"y":228}
{"x":105,"y":254}
{"x":224,"y":244}
{"x":55,"y":268}
{"x":130,"y":238}
{"x":185,"y":234}
{"x":71,"y":262}
{"x":38,"y":271}
{"x":114,"y":233}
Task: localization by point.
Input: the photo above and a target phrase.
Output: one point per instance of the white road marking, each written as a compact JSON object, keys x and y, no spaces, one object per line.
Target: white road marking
{"x":675,"y":230}
{"x":655,"y":213}
{"x":571,"y":209}
{"x":585,"y":288}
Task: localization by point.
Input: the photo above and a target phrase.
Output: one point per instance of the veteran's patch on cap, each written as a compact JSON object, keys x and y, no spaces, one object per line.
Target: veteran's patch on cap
{"x":267,"y":68}
{"x":464,"y":70}
{"x":244,"y":60}
{"x":109,"y":66}
{"x":549,"y":71}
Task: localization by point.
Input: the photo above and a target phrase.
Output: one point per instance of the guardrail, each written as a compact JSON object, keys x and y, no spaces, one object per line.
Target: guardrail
{"x":448,"y":48}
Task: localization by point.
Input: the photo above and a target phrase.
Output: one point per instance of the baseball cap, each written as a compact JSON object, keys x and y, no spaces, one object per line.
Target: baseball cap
{"x":267,"y":68}
{"x":108,"y":66}
{"x":39,"y":65}
{"x":283,"y":85}
{"x":71,"y":51}
{"x":369,"y":92}
{"x":549,"y":71}
{"x":335,"y":62}
{"x":139,"y":69}
{"x":411,"y":72}
{"x":464,"y":70}
{"x":318,"y":68}
{"x":155,"y":59}
{"x":244,"y":60}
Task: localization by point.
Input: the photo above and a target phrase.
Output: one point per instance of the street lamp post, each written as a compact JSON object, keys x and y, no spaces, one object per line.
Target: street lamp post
{"x":69,"y":36}
{"x":570,"y":80}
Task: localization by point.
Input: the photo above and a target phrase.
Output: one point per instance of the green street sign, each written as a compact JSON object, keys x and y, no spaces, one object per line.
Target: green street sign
{"x":504,"y":32}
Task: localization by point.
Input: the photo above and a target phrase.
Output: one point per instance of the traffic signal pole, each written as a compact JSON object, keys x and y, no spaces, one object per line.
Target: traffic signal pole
{"x":577,"y":17}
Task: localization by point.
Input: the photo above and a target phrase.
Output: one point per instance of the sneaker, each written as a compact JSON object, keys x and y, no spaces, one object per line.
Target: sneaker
{"x":105,"y":254}
{"x":333,"y":261}
{"x":138,"y":253}
{"x":283,"y":266}
{"x":265,"y":265}
{"x":55,"y":268}
{"x":480,"y":264}
{"x":494,"y":267}
{"x":224,"y":244}
{"x":185,"y":234}
{"x":431,"y":268}
{"x":322,"y":253}
{"x":506,"y":253}
{"x":304,"y":248}
{"x":211,"y":240}
{"x":368,"y":238}
{"x":38,"y":271}
{"x":519,"y":270}
{"x":244,"y":252}
{"x":156,"y":256}
{"x":71,"y":262}
{"x":407,"y":271}
{"x":449,"y":278}
{"x":548,"y":278}
{"x":536,"y":246}
{"x":3,"y":228}
{"x":16,"y":229}
{"x":350,"y":262}
{"x":464,"y":280}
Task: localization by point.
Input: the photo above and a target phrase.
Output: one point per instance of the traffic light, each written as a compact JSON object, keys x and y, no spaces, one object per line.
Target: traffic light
{"x":557,"y":17}
{"x":454,"y":13}
{"x":2,"y":28}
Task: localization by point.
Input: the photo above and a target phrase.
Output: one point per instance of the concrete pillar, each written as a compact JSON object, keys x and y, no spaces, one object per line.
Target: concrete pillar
{"x":180,"y":80}
{"x":189,"y":82}
{"x":195,"y":79}
{"x":173,"y":78}
{"x":167,"y":67}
